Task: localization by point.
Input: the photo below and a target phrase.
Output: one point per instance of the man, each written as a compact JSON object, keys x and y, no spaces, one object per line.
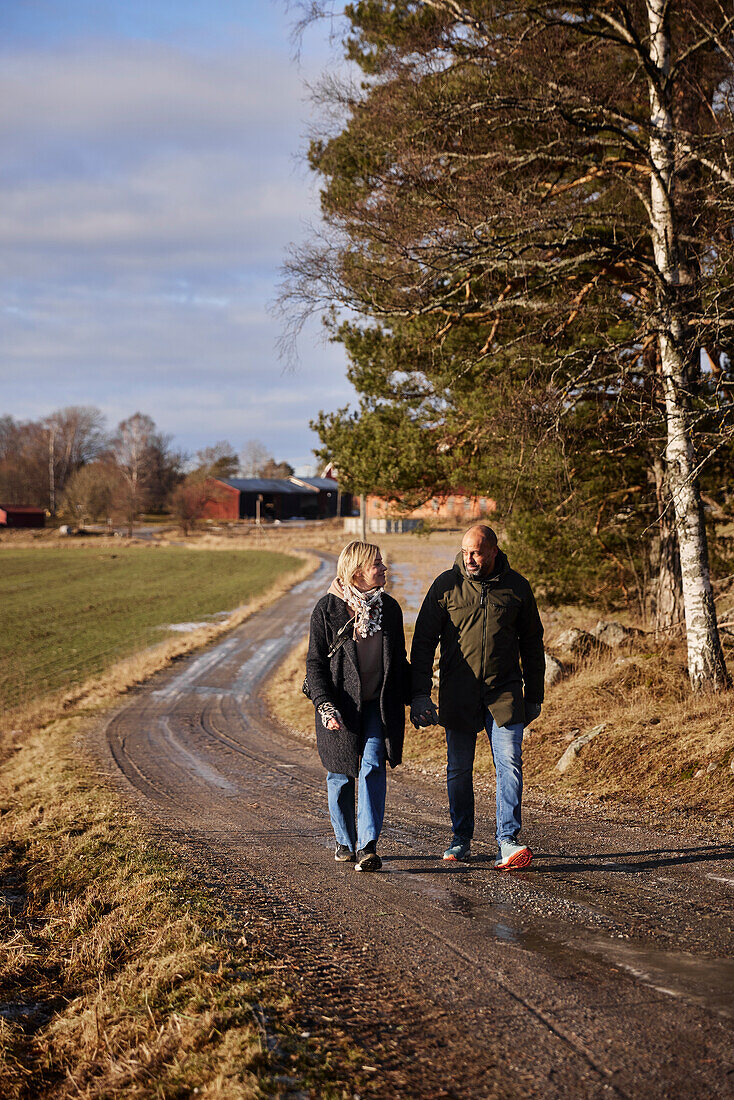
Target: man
{"x":491,"y":676}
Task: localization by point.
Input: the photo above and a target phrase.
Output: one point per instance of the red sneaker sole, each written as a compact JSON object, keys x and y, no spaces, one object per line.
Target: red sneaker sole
{"x":519,"y":860}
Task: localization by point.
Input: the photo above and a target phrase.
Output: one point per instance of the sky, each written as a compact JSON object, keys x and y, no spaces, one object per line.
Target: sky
{"x":152,"y":180}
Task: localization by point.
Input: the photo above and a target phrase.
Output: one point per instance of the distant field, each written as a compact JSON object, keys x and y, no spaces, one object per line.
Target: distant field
{"x":66,"y":614}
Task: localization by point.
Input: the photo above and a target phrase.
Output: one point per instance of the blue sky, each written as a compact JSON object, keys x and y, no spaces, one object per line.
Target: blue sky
{"x":151,"y":182}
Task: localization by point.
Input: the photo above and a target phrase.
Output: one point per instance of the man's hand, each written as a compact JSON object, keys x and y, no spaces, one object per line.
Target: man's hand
{"x":423,"y":711}
{"x":532,"y":711}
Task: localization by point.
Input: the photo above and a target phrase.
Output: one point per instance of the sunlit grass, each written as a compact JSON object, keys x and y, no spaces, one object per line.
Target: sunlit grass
{"x":69,"y":613}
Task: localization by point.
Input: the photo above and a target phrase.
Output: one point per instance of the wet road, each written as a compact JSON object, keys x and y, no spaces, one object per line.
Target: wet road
{"x":603,"y":970}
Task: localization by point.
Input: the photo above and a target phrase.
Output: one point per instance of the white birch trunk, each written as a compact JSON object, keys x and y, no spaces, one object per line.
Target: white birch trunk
{"x":706,"y":666}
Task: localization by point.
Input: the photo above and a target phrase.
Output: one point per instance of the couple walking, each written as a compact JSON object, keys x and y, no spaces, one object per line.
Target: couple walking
{"x":484,"y":616}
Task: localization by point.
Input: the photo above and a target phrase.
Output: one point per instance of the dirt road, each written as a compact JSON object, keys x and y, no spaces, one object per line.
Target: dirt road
{"x":604,"y":970}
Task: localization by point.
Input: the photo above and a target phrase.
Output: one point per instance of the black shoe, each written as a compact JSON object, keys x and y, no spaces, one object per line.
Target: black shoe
{"x":343,"y":854}
{"x":368,"y":859}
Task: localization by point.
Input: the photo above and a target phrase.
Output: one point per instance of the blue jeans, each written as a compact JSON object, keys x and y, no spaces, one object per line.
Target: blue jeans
{"x":372,"y":787}
{"x":506,"y":745}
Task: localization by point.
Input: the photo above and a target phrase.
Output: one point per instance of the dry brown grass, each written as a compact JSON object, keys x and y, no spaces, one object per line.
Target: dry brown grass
{"x":659,"y":742}
{"x":116,"y":976}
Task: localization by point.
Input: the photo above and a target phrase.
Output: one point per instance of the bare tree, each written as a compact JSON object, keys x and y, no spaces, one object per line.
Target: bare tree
{"x":253,"y":457}
{"x":76,"y":436}
{"x":134,"y":453}
{"x":24,"y":472}
{"x":190,"y":500}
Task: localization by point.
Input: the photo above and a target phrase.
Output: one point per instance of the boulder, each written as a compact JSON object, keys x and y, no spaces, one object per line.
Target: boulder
{"x":554,"y":670}
{"x":575,"y":747}
{"x":613,"y":634}
{"x":577,"y":643}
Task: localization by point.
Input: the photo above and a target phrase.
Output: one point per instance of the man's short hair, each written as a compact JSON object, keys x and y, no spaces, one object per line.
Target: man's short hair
{"x":355,"y":556}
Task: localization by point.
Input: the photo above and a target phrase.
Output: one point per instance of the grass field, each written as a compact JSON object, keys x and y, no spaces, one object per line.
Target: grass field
{"x":68,"y":613}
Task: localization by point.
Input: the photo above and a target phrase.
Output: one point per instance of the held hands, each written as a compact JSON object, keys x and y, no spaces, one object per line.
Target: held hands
{"x":423,"y":711}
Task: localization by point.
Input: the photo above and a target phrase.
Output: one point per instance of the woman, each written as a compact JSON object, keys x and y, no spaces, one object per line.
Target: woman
{"x":359,"y":683}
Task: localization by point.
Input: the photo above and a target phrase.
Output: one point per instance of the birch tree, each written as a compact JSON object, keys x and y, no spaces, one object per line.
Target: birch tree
{"x":147,"y":469}
{"x":560,"y":178}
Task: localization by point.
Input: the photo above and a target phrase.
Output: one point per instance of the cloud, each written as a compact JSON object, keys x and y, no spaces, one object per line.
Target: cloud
{"x":147,"y":197}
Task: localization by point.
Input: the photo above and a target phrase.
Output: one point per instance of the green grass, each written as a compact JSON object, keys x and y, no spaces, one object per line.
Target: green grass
{"x":67,"y":614}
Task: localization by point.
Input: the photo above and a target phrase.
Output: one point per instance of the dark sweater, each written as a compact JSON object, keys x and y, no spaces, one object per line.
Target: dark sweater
{"x":338,"y":681}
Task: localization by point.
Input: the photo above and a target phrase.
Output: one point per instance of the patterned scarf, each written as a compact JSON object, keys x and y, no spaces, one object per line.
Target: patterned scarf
{"x":367,"y":608}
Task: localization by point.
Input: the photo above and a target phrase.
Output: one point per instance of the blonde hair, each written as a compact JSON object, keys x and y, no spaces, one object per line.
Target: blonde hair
{"x":355,"y":556}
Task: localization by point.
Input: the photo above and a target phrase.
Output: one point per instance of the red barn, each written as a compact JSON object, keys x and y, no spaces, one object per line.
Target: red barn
{"x":17,"y":515}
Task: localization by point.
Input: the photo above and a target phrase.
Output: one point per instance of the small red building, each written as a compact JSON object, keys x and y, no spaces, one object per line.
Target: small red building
{"x":17,"y":515}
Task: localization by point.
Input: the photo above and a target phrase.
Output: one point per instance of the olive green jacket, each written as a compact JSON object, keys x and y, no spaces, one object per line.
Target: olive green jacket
{"x":491,"y":647}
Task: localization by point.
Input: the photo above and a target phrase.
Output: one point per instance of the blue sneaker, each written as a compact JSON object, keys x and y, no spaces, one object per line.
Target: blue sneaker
{"x":457,"y":849}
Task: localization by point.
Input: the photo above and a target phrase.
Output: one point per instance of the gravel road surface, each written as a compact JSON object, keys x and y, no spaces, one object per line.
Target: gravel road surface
{"x":603,"y":970}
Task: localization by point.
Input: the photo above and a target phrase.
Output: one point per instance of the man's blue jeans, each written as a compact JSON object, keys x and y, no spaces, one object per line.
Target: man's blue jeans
{"x":372,"y":788}
{"x":506,"y":745}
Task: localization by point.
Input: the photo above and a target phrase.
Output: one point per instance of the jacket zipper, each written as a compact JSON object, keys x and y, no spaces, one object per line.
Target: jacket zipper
{"x":483,"y":605}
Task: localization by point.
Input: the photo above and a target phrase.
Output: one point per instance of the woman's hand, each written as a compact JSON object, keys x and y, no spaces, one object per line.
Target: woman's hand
{"x":330,"y":717}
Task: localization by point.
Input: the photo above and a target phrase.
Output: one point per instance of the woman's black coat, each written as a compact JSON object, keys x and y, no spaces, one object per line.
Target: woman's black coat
{"x":337,"y":681}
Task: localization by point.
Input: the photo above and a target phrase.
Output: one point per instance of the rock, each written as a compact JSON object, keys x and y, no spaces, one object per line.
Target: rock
{"x":711,"y":768}
{"x":613,"y":634}
{"x":554,"y":670}
{"x":578,"y":643}
{"x":731,"y":764}
{"x":699,"y":773}
{"x":575,"y":747}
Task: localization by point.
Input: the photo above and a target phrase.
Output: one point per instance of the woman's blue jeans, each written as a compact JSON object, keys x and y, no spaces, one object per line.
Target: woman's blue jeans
{"x":506,"y":745}
{"x":365,"y":829}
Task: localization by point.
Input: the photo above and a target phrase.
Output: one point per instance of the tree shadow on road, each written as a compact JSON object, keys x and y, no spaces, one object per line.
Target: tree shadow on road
{"x":645,"y":860}
{"x":548,"y":862}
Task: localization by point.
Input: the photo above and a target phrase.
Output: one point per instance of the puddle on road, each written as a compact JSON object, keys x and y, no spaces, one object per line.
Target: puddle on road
{"x":709,"y":982}
{"x":185,"y":628}
{"x":705,"y":981}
